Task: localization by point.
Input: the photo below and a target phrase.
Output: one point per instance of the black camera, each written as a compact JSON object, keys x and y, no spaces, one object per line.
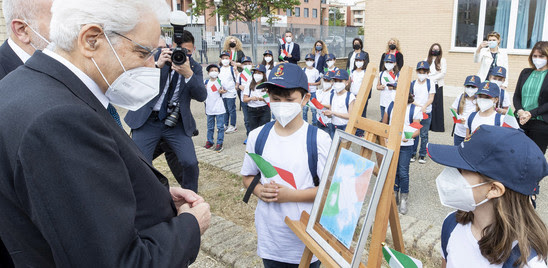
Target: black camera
{"x":173,"y":117}
{"x":178,"y":20}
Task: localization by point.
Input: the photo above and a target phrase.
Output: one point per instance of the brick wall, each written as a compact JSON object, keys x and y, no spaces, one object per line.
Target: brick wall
{"x":418,"y":24}
{"x":3,"y":34}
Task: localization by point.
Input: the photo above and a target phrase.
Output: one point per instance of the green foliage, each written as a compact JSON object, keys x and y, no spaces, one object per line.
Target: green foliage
{"x":339,"y":18}
{"x":244,"y":10}
{"x":360,"y":30}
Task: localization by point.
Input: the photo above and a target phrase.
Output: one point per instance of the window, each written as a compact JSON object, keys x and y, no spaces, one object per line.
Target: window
{"x":306,"y":1}
{"x":314,"y":13}
{"x":288,"y":12}
{"x":306,"y":12}
{"x":521,"y":23}
{"x":297,"y":12}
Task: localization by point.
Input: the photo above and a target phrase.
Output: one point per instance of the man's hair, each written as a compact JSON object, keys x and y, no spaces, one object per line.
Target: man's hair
{"x":285,"y":92}
{"x":288,"y":31}
{"x":188,"y":37}
{"x":119,"y":16}
{"x":26,"y":10}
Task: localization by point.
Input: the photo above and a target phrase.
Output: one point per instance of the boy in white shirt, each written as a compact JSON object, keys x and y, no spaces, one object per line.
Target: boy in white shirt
{"x":284,"y":144}
{"x":341,"y":102}
{"x":486,"y":99}
{"x":227,"y":75}
{"x":214,"y":108}
{"x":313,"y":76}
{"x":498,"y":76}
{"x":424,"y":91}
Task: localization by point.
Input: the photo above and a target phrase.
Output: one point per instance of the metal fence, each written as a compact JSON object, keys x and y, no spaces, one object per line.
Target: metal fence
{"x":209,"y":42}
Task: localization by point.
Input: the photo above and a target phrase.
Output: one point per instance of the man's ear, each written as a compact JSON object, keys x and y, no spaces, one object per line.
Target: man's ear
{"x":497,"y":190}
{"x":89,"y":39}
{"x":19,"y":29}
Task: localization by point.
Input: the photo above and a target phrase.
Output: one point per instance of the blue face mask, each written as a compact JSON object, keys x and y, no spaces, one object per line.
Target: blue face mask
{"x":318,"y":48}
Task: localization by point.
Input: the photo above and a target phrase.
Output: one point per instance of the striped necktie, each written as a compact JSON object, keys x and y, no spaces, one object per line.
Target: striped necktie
{"x":114,"y":114}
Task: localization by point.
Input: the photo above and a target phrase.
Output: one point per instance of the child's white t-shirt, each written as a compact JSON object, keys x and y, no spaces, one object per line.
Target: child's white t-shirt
{"x":254,"y":93}
{"x":227,"y":81}
{"x":357,"y":78}
{"x":417,"y":114}
{"x":214,"y":102}
{"x":469,"y":107}
{"x":387,"y":96}
{"x":323,"y":97}
{"x":312,"y":75}
{"x":275,"y":241}
{"x":422,"y":94}
{"x":507,"y":101}
{"x":338,"y":105}
{"x":463,"y":251}
{"x":480,"y":120}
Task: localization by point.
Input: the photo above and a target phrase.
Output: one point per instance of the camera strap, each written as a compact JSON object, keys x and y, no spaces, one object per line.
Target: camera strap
{"x":162,"y":114}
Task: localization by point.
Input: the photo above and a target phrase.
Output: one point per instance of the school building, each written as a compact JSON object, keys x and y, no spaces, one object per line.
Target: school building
{"x":458,"y":26}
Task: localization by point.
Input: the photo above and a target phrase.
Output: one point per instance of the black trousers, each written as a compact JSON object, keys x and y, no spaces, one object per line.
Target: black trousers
{"x":258,"y":116}
{"x":537,"y":130}
{"x":438,"y":124}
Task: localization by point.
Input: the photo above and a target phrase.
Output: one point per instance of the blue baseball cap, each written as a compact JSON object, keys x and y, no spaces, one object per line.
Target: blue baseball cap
{"x":309,"y":56}
{"x":224,"y":53}
{"x":245,"y":58}
{"x":423,"y":65}
{"x":212,"y":66}
{"x":340,"y":74}
{"x":499,"y":71}
{"x":472,"y":80}
{"x":286,"y":75}
{"x":360,"y":56}
{"x":503,"y":154}
{"x":259,"y":67}
{"x":489,"y":89}
{"x":267,"y":52}
{"x":330,"y":57}
{"x":328,"y":76}
{"x":390,"y":58}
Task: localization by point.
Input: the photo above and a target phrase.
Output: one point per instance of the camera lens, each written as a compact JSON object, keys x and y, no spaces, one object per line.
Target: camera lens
{"x":178,"y":57}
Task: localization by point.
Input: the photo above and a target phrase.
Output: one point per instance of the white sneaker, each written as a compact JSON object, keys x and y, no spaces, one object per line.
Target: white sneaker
{"x":231,"y":129}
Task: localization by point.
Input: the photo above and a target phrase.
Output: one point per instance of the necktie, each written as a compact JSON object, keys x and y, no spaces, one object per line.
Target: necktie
{"x":114,"y":114}
{"x":162,"y":114}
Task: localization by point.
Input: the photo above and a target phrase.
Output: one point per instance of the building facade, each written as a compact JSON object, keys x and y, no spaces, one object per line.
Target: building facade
{"x":458,"y":26}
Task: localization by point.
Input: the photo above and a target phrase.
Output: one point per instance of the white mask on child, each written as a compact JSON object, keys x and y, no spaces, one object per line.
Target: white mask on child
{"x":285,"y":112}
{"x":213,"y":74}
{"x":389,"y":66}
{"x":225,"y":62}
{"x":338,"y":86}
{"x":422,"y":77}
{"x":497,"y":82}
{"x":455,"y":192}
{"x":258,"y":77}
{"x":268,"y":59}
{"x":309,"y":63}
{"x":484,"y":104}
{"x":326,"y":85}
{"x":471,"y":91}
{"x":359,"y":64}
{"x":330,"y":63}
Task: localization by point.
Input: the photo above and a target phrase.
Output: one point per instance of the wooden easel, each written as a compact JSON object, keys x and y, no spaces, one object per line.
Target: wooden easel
{"x":387,"y":208}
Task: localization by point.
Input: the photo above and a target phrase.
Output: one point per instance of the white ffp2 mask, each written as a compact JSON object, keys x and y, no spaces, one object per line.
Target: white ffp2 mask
{"x":455,"y":192}
{"x":484,"y":104}
{"x":285,"y":112}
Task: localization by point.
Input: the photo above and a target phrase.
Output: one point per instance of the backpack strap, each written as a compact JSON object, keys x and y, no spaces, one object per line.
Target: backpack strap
{"x":428,"y":85}
{"x":501,"y":99}
{"x":460,"y":99}
{"x":347,"y":100}
{"x":470,"y":119}
{"x":312,"y":149}
{"x":412,"y":87}
{"x":331,"y":98}
{"x":447,"y":228}
{"x":232,"y":72}
{"x":411,"y":113}
{"x":389,"y":110}
{"x":205,"y":82}
{"x":497,"y":119}
{"x":259,"y":146}
{"x":515,"y":255}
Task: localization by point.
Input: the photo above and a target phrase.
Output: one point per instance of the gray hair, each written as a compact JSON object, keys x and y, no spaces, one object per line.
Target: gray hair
{"x":26,"y":10}
{"x":68,"y":16}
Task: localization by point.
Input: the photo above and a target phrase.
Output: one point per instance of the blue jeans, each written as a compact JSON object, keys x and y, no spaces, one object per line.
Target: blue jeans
{"x":423,"y":136}
{"x":220,"y":128}
{"x":402,"y":174}
{"x":305,"y":112}
{"x":276,"y":264}
{"x":230,"y":106}
{"x":246,"y":118}
{"x":457,"y":140}
{"x":382,"y":112}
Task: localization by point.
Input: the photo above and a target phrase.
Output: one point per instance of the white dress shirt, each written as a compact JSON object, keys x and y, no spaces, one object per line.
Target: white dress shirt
{"x":23,"y":55}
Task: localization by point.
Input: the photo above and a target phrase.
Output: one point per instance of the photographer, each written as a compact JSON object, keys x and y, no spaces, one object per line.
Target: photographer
{"x":167,"y":117}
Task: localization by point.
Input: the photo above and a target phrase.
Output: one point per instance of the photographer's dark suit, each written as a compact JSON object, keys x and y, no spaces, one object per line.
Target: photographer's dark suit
{"x":9,"y":61}
{"x":75,"y":191}
{"x":148,"y":130}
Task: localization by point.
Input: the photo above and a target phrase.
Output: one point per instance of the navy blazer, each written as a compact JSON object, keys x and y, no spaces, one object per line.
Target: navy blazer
{"x":75,"y":191}
{"x":320,"y":65}
{"x":194,"y":89}
{"x":295,"y":54}
{"x":9,"y":61}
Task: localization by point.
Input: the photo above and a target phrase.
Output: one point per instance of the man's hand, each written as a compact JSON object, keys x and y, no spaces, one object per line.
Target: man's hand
{"x":165,"y":56}
{"x":200,"y":212}
{"x":289,"y":56}
{"x":184,"y":69}
{"x":182,"y":196}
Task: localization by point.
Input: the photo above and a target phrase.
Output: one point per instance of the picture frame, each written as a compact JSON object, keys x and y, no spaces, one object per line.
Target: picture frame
{"x":347,"y":198}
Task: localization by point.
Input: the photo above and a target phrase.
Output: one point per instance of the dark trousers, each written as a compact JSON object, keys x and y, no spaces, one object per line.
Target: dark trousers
{"x":277,"y":264}
{"x":244,"y":107}
{"x":258,"y":116}
{"x":537,"y":131}
{"x":171,"y":158}
{"x":457,"y":140}
{"x":149,"y":136}
{"x":5,"y":257}
{"x":438,"y":123}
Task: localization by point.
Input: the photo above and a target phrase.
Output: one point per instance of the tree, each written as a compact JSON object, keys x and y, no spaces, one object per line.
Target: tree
{"x":245,"y":11}
{"x":335,"y":16}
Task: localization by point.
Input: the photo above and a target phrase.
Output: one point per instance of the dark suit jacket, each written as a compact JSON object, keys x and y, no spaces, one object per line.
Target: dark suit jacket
{"x":295,"y":54}
{"x":9,"y":61}
{"x":366,"y":61}
{"x":75,"y":191}
{"x":321,"y":64}
{"x":542,"y":108}
{"x":194,"y":89}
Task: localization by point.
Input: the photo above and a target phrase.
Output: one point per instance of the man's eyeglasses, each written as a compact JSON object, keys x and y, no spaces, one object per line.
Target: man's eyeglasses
{"x":146,"y":53}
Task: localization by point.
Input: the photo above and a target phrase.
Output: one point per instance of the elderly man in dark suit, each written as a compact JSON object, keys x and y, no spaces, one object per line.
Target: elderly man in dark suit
{"x":150,"y":124}
{"x":75,"y":191}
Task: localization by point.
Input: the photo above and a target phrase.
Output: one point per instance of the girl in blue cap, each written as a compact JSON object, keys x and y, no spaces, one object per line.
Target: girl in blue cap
{"x":463,"y":106}
{"x":258,"y":111}
{"x":490,"y":179}
{"x":486,"y":100}
{"x":340,"y":104}
{"x":267,"y":62}
{"x":389,"y":75}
